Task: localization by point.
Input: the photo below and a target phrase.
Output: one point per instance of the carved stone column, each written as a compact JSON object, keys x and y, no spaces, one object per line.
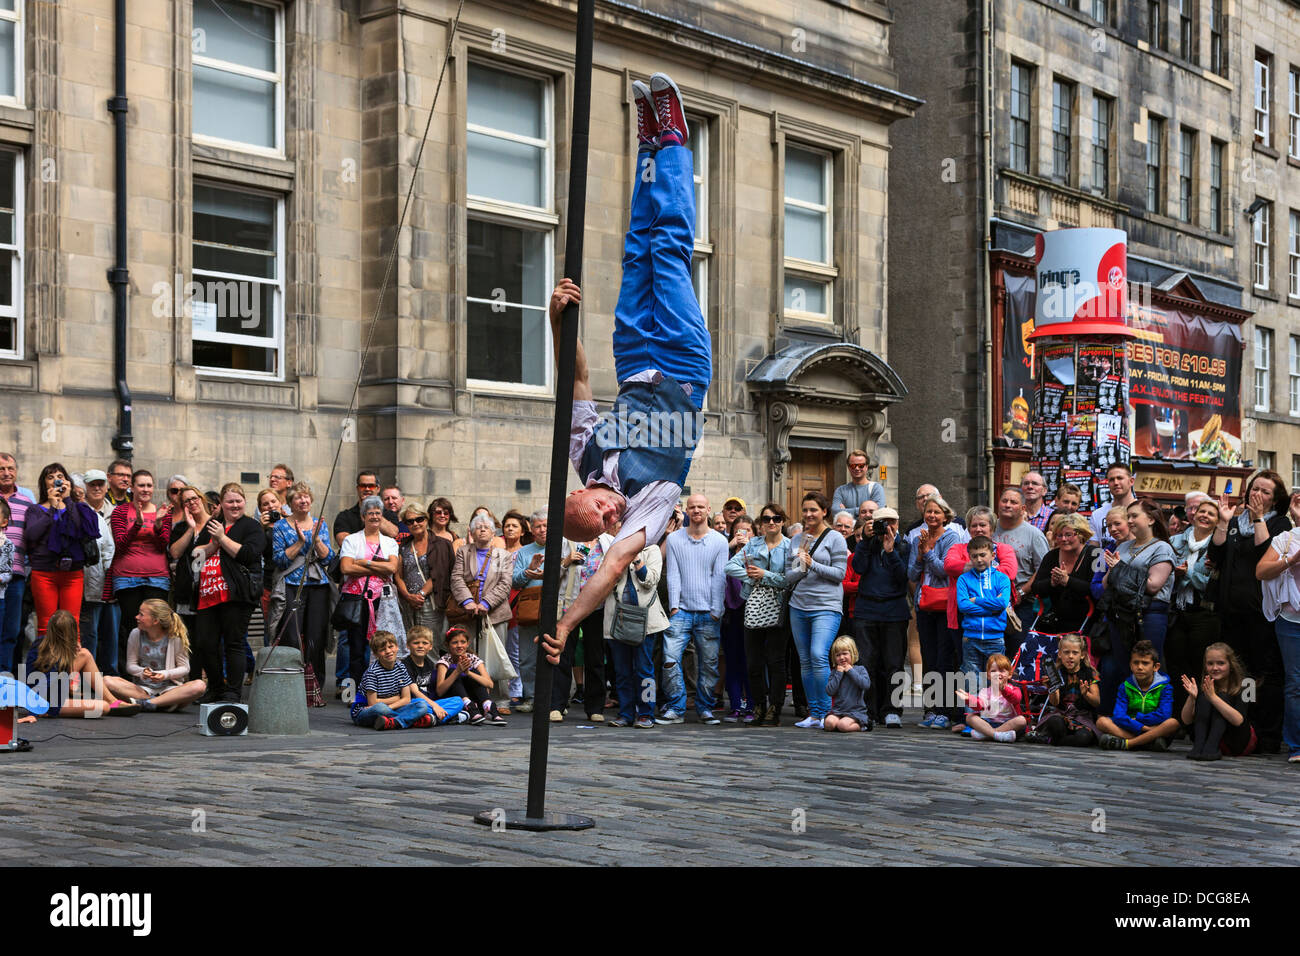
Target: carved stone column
{"x":782,"y":417}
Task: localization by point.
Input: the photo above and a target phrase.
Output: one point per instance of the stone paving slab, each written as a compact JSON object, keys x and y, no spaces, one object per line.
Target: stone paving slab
{"x":685,"y":794}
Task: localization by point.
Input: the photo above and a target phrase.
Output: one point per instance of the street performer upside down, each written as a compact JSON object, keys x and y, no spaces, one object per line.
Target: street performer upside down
{"x":662,"y":359}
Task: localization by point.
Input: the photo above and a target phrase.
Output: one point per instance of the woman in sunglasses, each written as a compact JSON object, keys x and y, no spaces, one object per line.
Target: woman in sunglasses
{"x":761,"y":565}
{"x":424,"y":578}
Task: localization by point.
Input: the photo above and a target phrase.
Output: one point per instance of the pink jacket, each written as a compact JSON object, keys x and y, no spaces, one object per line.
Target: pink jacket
{"x":954,"y":562}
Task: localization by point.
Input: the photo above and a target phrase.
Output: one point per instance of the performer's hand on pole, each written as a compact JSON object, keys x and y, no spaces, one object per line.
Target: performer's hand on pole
{"x":552,"y":646}
{"x":565,"y":292}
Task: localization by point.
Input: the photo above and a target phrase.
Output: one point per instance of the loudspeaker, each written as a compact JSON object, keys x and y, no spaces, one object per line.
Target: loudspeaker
{"x":223,"y":720}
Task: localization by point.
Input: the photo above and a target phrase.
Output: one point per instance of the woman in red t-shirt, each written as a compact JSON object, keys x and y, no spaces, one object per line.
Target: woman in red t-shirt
{"x":229,"y":584}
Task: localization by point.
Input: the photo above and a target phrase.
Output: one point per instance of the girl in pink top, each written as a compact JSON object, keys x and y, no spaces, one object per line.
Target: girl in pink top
{"x":995,"y":711}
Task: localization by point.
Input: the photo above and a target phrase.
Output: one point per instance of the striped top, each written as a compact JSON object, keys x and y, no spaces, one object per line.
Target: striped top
{"x":18,"y":505}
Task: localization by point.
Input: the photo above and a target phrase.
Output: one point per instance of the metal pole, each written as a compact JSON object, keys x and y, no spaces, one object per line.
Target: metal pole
{"x":536,"y":817}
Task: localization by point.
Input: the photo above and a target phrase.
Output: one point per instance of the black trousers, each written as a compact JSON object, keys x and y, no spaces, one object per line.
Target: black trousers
{"x":129,"y":601}
{"x":307,"y":626}
{"x":221,"y":632}
{"x":1190,"y":632}
{"x":1252,"y":636}
{"x":593,"y":667}
{"x":191,"y":623}
{"x":882,"y":650}
{"x":357,"y":646}
{"x":1210,"y":731}
{"x":476,"y":692}
{"x":1059,"y":732}
{"x":765,"y":655}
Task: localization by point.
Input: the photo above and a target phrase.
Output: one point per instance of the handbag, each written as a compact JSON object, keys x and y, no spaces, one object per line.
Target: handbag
{"x":528,"y":607}
{"x":347,"y":613}
{"x":932,"y":598}
{"x":763,"y":607}
{"x":630,"y":622}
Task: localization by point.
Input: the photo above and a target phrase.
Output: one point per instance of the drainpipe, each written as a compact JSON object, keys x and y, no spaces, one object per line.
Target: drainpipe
{"x":118,"y":277}
{"x":984,"y":268}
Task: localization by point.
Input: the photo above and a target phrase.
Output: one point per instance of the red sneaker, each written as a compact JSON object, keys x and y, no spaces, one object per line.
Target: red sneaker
{"x":647,"y":122}
{"x":425,"y":721}
{"x":385,"y":723}
{"x":668,"y":109}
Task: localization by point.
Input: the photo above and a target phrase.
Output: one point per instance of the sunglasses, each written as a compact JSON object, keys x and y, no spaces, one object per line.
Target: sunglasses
{"x":441,"y":511}
{"x":173,"y":491}
{"x":417,"y":520}
{"x":367,"y":486}
{"x":767,"y":519}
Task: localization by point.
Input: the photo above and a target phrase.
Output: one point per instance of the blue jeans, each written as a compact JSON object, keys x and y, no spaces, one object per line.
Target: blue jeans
{"x":634,"y":676}
{"x":814,"y":633}
{"x":657,"y":321}
{"x":1288,"y":640}
{"x":975,"y":654}
{"x":341,"y":661}
{"x":405,"y":715}
{"x":682,"y":627}
{"x":99,"y":623}
{"x":12,"y":621}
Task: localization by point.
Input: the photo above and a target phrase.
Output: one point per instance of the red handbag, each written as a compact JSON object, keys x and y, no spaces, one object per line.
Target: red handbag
{"x":932,"y":598}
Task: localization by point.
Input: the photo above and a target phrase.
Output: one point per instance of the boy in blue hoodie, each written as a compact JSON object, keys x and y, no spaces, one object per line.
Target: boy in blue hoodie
{"x":1144,"y":706}
{"x":983,"y":598}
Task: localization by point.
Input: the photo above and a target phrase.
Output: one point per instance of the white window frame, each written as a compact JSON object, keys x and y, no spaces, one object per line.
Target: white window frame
{"x":278,"y":78}
{"x":1293,"y":113}
{"x":1293,"y":256}
{"x":1295,"y":470}
{"x":1025,"y":123}
{"x":1263,"y":98}
{"x":823,"y":272}
{"x":276,"y":339}
{"x":514,"y":215}
{"x":15,"y":313}
{"x":15,"y":16}
{"x":1293,"y":376}
{"x":1261,"y":246}
{"x":1263,"y":369}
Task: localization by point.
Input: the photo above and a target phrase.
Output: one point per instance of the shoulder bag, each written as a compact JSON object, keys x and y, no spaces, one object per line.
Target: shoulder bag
{"x":630,"y":621}
{"x":763,"y":606}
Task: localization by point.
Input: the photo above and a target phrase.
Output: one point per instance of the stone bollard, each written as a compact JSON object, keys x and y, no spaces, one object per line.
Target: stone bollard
{"x":277,"y":704}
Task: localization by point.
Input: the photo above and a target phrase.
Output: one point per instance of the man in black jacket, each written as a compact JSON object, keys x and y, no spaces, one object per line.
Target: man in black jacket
{"x":881,"y":613}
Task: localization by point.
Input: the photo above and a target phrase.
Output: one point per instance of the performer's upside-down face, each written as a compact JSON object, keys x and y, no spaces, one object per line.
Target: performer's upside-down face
{"x":591,"y":512}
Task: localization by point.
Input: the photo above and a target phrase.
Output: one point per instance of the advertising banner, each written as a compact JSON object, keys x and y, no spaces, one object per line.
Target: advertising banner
{"x":1082,"y":277}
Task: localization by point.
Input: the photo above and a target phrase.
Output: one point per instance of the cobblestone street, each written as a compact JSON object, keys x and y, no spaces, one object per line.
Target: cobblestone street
{"x":675,"y":795}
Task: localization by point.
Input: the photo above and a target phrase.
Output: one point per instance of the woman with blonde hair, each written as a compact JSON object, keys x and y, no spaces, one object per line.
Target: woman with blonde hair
{"x":158,"y":659}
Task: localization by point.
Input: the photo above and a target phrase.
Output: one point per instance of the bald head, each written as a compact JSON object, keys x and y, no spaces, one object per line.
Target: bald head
{"x":697,"y":513}
{"x":925,"y":491}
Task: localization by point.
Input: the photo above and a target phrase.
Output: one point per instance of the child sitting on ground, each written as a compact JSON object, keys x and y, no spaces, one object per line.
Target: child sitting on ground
{"x":158,"y":658}
{"x":462,"y":674}
{"x":1143,"y":717}
{"x":995,"y":710}
{"x":1216,"y":710}
{"x":1070,"y":719}
{"x":384,"y":698}
{"x":848,"y":686}
{"x":419,"y":641}
{"x":68,"y":677}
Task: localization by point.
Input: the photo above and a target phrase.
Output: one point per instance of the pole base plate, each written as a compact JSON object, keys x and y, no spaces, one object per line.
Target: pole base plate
{"x":519,"y":820}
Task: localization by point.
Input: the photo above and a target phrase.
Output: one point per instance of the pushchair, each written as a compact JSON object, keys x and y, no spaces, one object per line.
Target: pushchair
{"x":1034,"y":669}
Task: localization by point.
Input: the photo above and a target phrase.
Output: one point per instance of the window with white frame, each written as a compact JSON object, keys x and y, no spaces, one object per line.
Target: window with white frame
{"x":1293,"y":113}
{"x":238,"y":52}
{"x":1295,"y":470}
{"x":1101,"y":125}
{"x":1260,"y":245}
{"x":1293,"y":256}
{"x":1263,"y":368}
{"x":1022,"y":86}
{"x":1062,"y":122}
{"x":11,"y":254}
{"x":1263,"y":97}
{"x":699,"y":143}
{"x":1186,"y":173}
{"x":1267,"y":460}
{"x":511,"y":228}
{"x":238,"y":282}
{"x":11,"y":51}
{"x":1293,"y":376}
{"x":809,"y":270}
{"x":1155,"y":161}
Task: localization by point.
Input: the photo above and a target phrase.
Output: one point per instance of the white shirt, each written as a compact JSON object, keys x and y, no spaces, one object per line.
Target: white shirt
{"x":355,"y":547}
{"x":651,"y":507}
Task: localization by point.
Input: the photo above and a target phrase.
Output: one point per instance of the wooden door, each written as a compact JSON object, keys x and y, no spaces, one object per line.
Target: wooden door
{"x":809,"y":470}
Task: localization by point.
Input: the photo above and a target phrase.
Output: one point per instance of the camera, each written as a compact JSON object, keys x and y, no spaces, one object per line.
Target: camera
{"x":58,"y":484}
{"x":880,"y":527}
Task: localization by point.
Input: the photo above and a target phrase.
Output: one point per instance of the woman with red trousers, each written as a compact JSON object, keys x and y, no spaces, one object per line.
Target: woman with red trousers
{"x":55,"y":536}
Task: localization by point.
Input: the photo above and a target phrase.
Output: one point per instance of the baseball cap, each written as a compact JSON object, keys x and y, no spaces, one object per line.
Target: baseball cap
{"x":885,"y":514}
{"x":741,"y":502}
{"x":94,"y":475}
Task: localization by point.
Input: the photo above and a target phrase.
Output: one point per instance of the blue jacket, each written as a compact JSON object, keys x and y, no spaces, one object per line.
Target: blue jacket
{"x":773,"y":562}
{"x":882,"y":581}
{"x":1137,"y":709}
{"x":982,"y":601}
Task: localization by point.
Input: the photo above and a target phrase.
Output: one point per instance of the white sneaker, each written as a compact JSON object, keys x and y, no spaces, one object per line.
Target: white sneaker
{"x":976,"y":735}
{"x":809,"y":721}
{"x":1005,"y":736}
{"x":893,"y":720}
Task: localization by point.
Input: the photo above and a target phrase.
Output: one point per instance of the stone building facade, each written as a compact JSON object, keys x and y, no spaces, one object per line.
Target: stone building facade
{"x":270,"y":148}
{"x":1051,"y":114}
{"x":1268,"y":254}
